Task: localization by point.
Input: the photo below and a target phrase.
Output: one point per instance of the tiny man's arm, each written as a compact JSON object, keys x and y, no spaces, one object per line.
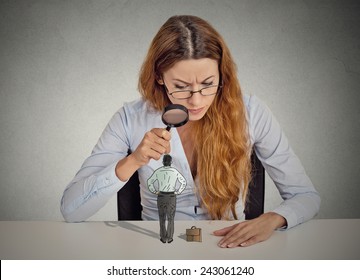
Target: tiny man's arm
{"x":150,"y":183}
{"x":182,"y":181}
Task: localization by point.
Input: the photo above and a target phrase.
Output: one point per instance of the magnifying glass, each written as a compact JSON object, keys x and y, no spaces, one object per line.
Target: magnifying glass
{"x":175,"y":115}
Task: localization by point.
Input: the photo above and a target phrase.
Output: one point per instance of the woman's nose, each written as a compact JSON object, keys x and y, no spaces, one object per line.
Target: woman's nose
{"x":196,"y":98}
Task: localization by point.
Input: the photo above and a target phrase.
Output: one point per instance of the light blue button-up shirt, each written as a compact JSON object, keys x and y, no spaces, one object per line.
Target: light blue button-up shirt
{"x":96,"y":181}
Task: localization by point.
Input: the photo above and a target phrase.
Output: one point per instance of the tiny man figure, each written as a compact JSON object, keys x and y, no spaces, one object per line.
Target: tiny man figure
{"x":167,"y":178}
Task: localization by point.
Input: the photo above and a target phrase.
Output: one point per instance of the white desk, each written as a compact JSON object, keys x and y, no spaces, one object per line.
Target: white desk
{"x":316,"y":239}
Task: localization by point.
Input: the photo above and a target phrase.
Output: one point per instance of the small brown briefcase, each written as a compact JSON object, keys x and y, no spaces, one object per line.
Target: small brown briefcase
{"x":193,"y":234}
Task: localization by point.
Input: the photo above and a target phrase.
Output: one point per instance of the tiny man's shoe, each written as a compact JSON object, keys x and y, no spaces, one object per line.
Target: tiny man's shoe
{"x":170,"y":240}
{"x":162,"y":240}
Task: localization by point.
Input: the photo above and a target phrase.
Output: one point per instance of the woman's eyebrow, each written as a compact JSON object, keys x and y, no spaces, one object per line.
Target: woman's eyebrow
{"x":179,"y":80}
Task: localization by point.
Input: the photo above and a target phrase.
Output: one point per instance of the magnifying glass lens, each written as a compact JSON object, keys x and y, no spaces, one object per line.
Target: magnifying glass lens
{"x":175,"y":115}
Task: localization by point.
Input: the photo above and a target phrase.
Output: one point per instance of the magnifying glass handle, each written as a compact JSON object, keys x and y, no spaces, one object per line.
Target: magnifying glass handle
{"x":168,"y":128}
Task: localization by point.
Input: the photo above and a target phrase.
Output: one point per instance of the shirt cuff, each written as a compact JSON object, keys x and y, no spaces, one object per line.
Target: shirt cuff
{"x":288,"y":214}
{"x":107,"y":182}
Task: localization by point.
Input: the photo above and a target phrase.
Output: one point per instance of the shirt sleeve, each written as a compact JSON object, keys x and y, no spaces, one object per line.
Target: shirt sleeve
{"x":96,"y":181}
{"x":301,"y":201}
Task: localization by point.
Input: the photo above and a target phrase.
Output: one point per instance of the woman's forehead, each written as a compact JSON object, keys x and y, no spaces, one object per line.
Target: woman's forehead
{"x":192,"y":70}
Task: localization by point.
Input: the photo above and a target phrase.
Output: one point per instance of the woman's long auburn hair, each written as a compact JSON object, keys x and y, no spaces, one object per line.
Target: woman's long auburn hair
{"x":221,"y":138}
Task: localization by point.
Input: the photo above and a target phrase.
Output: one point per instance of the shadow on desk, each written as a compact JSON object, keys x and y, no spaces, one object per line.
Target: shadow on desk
{"x":132,"y":227}
{"x":136,"y":228}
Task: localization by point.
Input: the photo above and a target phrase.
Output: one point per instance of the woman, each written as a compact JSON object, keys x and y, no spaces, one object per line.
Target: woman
{"x":188,"y":63}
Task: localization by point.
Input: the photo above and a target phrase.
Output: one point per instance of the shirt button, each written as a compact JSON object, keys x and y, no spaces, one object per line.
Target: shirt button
{"x":107,"y":181}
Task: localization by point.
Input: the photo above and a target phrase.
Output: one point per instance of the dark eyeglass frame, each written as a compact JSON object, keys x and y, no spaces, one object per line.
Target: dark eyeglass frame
{"x":191,"y":92}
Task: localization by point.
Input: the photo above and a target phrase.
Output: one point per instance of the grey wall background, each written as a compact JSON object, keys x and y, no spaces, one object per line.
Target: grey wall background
{"x":67,"y":66}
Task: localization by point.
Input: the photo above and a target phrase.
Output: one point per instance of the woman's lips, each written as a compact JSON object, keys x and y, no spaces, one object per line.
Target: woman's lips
{"x":195,"y":111}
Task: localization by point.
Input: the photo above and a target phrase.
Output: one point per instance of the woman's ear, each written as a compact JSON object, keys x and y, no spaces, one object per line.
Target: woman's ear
{"x":160,"y":81}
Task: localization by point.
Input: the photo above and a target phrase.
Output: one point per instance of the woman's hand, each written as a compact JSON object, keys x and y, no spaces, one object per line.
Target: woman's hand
{"x":250,"y":232}
{"x":155,"y":143}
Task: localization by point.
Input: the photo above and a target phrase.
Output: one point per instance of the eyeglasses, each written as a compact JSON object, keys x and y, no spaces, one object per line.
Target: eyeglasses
{"x":186,"y":94}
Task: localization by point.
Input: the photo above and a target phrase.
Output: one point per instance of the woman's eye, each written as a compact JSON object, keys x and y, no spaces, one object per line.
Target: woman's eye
{"x":208,"y":84}
{"x":180,"y":87}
